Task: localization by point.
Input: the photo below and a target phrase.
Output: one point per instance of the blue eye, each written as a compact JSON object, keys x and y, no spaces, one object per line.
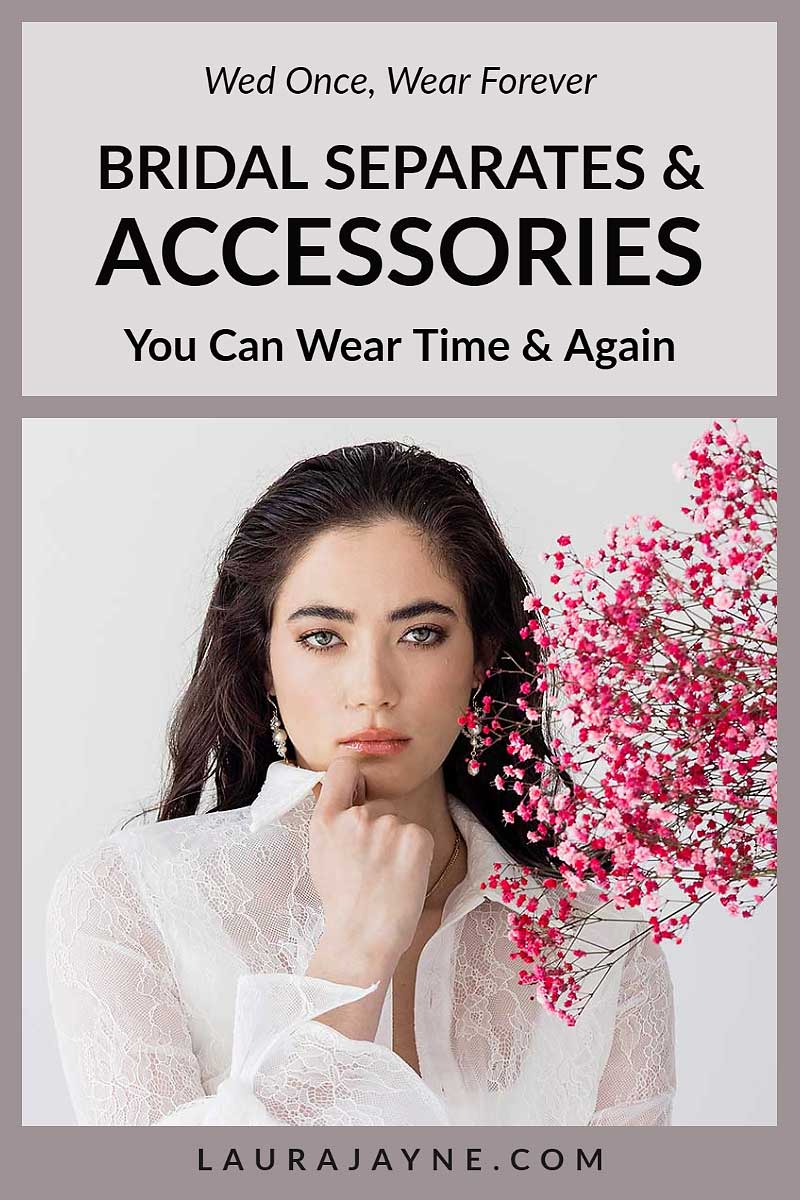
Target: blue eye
{"x":305,"y":640}
{"x":438,"y":635}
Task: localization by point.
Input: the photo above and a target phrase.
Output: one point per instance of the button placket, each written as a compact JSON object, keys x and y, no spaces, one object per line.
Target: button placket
{"x":433,"y":1003}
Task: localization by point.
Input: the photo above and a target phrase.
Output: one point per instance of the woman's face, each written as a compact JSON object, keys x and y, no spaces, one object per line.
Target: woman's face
{"x":367,"y":635}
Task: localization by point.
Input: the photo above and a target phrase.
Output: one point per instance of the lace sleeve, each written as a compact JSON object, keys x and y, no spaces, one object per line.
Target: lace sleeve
{"x":125,"y":1041}
{"x":294,"y":1070}
{"x":638,"y":1083}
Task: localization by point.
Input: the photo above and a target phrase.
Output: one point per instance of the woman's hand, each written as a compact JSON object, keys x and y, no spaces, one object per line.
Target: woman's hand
{"x":369,"y":864}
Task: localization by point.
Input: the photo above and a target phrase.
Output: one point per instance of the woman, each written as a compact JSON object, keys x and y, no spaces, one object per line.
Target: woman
{"x":317,"y":948}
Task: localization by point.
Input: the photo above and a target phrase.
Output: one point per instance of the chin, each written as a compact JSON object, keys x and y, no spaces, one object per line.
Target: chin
{"x":387,"y":778}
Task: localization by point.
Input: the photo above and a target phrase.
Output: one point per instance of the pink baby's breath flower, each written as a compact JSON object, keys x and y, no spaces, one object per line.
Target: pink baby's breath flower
{"x":659,"y":655}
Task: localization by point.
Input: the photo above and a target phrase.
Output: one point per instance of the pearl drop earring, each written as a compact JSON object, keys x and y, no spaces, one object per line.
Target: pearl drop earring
{"x":279,"y":735}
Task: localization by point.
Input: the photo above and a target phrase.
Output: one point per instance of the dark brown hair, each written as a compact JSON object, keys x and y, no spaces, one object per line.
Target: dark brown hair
{"x":220,"y":730}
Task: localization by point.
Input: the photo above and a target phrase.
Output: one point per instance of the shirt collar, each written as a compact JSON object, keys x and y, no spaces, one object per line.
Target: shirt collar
{"x":286,"y":786}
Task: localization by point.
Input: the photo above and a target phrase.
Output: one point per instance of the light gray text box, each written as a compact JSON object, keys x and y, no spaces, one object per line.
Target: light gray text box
{"x":708,"y":86}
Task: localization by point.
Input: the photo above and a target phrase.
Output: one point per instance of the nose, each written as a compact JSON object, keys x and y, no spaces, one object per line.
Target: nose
{"x":372,"y":683}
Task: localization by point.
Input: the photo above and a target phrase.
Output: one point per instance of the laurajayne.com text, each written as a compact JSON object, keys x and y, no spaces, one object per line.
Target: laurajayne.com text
{"x":445,"y":1159}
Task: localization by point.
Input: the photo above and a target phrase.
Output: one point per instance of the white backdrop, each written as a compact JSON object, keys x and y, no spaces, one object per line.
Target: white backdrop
{"x":123,"y":522}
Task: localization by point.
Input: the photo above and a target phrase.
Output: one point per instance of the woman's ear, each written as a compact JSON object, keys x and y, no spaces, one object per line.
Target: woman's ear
{"x":487,"y":653}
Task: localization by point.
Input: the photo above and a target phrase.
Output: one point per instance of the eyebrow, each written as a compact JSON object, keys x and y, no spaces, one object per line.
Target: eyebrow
{"x":418,"y":609}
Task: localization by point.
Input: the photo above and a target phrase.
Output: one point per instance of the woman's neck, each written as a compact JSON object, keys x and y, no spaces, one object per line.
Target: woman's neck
{"x":427,"y":806}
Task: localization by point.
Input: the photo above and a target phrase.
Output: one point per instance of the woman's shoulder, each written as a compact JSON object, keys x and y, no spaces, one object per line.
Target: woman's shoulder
{"x":183,"y":833}
{"x":111,"y":864}
{"x":624,"y":933}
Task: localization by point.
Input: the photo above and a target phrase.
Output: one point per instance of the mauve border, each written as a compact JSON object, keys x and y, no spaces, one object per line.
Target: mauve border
{"x":44,"y":1160}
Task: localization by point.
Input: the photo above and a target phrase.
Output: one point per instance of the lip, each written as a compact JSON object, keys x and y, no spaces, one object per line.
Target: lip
{"x":376,"y":742}
{"x":374,"y":734}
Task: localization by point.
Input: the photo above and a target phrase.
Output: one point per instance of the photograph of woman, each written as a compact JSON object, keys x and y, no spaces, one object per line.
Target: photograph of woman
{"x":298,"y":931}
{"x":323,"y":925}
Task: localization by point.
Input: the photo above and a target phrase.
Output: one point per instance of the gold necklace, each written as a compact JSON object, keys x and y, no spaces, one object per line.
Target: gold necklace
{"x":450,"y":862}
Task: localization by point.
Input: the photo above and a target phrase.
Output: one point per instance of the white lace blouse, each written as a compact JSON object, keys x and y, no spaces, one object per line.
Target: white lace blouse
{"x":177,"y":956}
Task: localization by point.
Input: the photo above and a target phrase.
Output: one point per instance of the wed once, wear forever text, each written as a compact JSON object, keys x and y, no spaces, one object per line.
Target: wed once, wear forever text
{"x":300,"y":80}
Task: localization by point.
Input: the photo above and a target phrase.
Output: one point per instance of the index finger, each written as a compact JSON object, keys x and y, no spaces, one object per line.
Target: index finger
{"x":342,"y":787}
